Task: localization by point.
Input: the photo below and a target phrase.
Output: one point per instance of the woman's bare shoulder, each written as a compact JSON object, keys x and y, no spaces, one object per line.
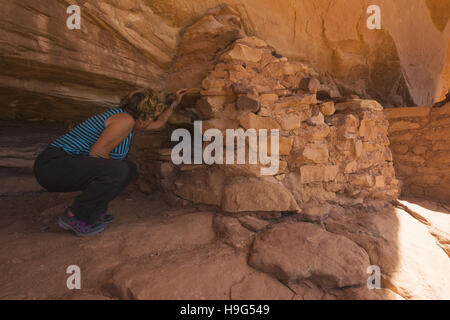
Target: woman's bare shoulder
{"x":122,"y":119}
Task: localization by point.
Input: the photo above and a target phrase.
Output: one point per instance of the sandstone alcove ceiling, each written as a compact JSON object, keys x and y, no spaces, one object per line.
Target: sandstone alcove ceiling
{"x":440,"y":13}
{"x":132,"y":44}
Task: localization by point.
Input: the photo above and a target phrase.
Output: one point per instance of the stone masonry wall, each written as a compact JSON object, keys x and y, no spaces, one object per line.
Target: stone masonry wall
{"x":421,"y":146}
{"x":334,"y":151}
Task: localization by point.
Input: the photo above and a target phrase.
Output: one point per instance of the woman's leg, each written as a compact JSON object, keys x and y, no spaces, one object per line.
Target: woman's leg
{"x":49,"y":169}
{"x":112,"y":177}
{"x":107,"y":181}
{"x":132,"y":173}
{"x":100,"y":179}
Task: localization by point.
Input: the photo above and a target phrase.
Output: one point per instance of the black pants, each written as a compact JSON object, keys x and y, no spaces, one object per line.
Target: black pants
{"x":101,"y":180}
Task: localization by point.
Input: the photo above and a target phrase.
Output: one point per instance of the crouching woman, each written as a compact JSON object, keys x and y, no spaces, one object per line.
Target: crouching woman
{"x":92,"y":158}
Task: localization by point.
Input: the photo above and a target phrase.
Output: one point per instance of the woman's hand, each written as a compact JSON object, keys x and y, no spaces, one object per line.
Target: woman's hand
{"x":180,"y":93}
{"x":160,"y":121}
{"x":178,"y":98}
{"x":164,"y":117}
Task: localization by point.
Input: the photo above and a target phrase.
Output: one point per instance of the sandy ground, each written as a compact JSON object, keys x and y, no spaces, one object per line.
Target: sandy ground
{"x":154,"y":251}
{"x":36,"y":252}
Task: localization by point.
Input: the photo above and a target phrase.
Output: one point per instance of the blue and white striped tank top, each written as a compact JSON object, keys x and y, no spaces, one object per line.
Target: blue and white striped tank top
{"x":80,"y":139}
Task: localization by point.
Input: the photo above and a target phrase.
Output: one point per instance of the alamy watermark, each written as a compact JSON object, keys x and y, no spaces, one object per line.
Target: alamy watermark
{"x":74,"y":20}
{"x":374,"y":20}
{"x":192,"y":152}
{"x":74,"y":280}
{"x":374,"y":281}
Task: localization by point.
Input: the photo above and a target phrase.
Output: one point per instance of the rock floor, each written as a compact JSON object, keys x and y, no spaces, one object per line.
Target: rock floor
{"x":153,"y":251}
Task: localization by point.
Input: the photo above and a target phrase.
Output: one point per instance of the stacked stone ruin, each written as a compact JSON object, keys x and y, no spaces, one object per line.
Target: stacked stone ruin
{"x":333,"y":151}
{"x":419,"y":142}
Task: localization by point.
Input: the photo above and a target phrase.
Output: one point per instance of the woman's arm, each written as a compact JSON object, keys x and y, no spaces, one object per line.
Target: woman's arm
{"x":162,"y":119}
{"x":118,"y":127}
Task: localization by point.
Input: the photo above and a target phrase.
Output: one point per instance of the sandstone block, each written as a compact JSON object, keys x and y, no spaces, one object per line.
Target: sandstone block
{"x":441,"y":158}
{"x":440,"y":122}
{"x":358,"y":148}
{"x":309,"y":84}
{"x":403,"y":125}
{"x":327,"y":108}
{"x":206,"y":107}
{"x":419,"y":150}
{"x":291,"y":68}
{"x":404,"y":170}
{"x":296,"y":101}
{"x":438,"y":134}
{"x":317,"y":119}
{"x":256,"y":195}
{"x":318,"y":173}
{"x":252,"y":121}
{"x":253,"y":42}
{"x":401,"y":137}
{"x":410,"y":159}
{"x":314,"y":154}
{"x":291,"y":82}
{"x":313,"y":193}
{"x":346,"y":123}
{"x":245,"y":103}
{"x":441,"y":145}
{"x":315,"y":211}
{"x":371,"y":130}
{"x":312,"y":133}
{"x":351,"y":167}
{"x":291,"y":121}
{"x":411,"y":112}
{"x":361,"y":180}
{"x":221,"y":124}
{"x":269,"y":97}
{"x":212,"y":83}
{"x":400,"y":148}
{"x":284,"y":146}
{"x":359,"y":105}
{"x":200,"y":187}
{"x":243,"y":52}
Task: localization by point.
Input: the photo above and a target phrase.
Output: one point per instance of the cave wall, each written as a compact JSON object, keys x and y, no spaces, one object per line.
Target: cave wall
{"x":420,"y":144}
{"x":50,"y":72}
{"x":390,"y":65}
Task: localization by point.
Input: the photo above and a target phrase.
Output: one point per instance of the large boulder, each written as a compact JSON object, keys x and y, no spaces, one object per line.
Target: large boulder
{"x":401,"y":246}
{"x":294,"y":252}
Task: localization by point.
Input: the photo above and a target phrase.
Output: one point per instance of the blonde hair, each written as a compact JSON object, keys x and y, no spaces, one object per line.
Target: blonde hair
{"x":142,"y":103}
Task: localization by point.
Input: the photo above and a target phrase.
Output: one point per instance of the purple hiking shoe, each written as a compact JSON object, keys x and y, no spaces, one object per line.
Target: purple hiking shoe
{"x":105,"y":218}
{"x":81,"y":229}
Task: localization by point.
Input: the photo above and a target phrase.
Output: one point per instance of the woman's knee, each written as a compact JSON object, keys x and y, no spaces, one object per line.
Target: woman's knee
{"x":133,"y":170}
{"x":117,"y":171}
